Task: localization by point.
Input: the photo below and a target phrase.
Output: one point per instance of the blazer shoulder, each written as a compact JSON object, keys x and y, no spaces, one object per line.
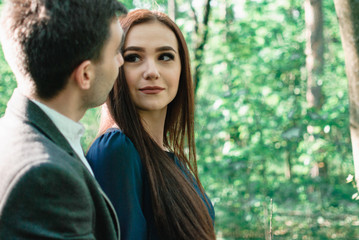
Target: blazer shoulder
{"x":49,"y":189}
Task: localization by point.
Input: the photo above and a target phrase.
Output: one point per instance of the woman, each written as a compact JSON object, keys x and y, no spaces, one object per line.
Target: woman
{"x":139,"y":158}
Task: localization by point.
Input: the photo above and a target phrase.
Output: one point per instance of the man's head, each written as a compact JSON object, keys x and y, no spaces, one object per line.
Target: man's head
{"x":44,"y":41}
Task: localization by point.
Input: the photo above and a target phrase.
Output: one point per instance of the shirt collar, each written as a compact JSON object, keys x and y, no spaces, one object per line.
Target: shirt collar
{"x":72,"y":130}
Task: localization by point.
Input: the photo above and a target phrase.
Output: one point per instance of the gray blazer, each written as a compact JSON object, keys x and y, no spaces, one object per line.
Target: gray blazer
{"x":46,"y":192}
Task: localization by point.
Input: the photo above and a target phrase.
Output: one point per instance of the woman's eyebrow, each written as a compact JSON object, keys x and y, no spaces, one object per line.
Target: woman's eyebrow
{"x":133,"y":48}
{"x":165,"y":48}
{"x":140,"y":49}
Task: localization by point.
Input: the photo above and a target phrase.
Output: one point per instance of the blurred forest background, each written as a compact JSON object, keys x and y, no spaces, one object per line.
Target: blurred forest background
{"x":272,"y":115}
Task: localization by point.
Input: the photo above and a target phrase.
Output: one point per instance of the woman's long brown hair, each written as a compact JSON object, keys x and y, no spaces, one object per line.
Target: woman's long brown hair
{"x":179,"y":211}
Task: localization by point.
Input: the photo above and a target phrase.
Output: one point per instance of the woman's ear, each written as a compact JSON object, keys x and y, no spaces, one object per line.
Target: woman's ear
{"x":84,"y":74}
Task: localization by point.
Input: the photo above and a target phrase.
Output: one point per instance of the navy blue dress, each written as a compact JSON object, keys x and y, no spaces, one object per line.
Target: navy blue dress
{"x":118,"y":169}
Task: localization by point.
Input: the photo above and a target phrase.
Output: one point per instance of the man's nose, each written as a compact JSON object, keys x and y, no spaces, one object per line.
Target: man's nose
{"x":120,"y":59}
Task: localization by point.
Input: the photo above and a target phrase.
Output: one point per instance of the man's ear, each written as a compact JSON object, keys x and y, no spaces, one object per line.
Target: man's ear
{"x":84,"y":74}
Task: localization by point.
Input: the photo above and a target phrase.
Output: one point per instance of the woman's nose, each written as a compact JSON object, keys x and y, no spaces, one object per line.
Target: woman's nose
{"x":151,"y":71}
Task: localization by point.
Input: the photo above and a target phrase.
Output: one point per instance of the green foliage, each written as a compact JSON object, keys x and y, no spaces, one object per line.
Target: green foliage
{"x":91,"y":121}
{"x":252,"y":121}
{"x":148,"y":4}
{"x":128,"y":4}
{"x":7,"y":83}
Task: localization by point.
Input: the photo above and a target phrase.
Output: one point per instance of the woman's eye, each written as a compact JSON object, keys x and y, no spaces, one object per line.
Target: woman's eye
{"x":167,"y":57}
{"x":132,"y":58}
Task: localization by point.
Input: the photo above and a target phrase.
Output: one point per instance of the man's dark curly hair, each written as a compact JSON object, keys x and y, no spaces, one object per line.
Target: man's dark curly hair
{"x":55,"y":36}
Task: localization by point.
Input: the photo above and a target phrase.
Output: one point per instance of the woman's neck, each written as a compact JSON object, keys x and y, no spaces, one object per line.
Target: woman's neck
{"x":154,"y":124}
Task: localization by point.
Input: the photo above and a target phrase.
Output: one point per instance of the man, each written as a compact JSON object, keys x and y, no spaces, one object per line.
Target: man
{"x":65,"y":57}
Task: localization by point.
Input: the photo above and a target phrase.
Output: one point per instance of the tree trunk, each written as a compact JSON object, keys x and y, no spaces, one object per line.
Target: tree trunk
{"x":348,"y":12}
{"x":314,"y":63}
{"x":314,"y":51}
{"x":201,"y":29}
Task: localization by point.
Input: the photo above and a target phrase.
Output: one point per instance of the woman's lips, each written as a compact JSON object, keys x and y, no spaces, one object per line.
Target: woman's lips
{"x":151,"y":90}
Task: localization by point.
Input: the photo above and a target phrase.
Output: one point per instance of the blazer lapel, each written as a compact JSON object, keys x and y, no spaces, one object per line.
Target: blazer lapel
{"x":25,"y":109}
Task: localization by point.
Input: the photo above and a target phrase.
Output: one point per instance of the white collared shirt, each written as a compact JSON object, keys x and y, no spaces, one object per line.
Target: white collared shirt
{"x":71,"y":130}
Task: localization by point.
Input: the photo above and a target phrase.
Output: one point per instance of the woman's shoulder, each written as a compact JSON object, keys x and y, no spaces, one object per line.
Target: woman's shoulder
{"x":112,"y":144}
{"x":113,"y":138}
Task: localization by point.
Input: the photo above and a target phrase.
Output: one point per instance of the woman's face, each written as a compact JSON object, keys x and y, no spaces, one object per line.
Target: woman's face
{"x":152,"y":66}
